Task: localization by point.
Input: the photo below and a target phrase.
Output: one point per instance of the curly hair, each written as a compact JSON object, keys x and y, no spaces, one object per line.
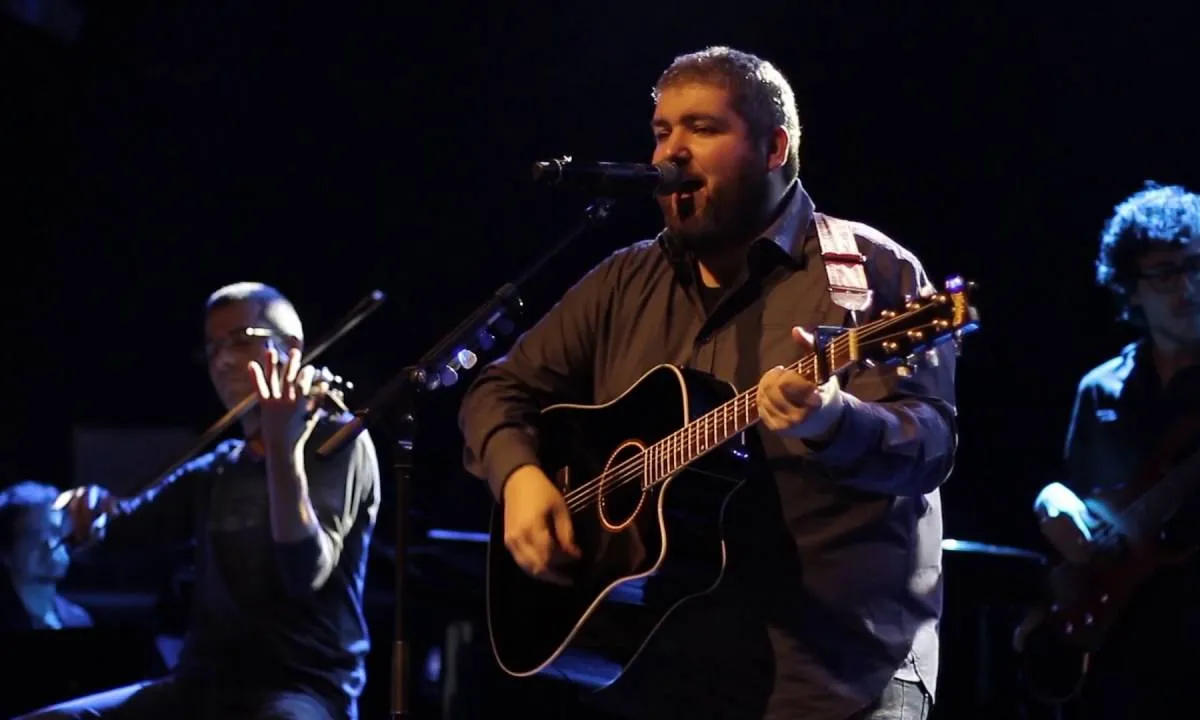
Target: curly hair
{"x":761,"y":95}
{"x":1156,"y":216}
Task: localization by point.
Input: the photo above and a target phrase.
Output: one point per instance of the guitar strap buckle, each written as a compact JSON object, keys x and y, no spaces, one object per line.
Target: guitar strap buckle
{"x":844,"y":264}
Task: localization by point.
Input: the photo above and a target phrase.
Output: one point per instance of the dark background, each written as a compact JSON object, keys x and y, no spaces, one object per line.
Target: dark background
{"x":331,"y":149}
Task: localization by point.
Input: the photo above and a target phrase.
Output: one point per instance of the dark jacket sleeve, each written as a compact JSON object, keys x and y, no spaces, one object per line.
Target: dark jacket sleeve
{"x":345,"y":492}
{"x":163,"y":517}
{"x":551,"y":362}
{"x":898,"y":435}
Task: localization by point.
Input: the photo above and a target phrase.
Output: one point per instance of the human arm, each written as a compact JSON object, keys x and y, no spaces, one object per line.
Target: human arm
{"x":886,"y":430}
{"x":1064,"y":518}
{"x":315,"y":505}
{"x":158,"y":519}
{"x":551,"y":362}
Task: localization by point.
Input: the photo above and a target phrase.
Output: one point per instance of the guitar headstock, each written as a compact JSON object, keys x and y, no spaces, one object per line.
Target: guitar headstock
{"x":900,"y":336}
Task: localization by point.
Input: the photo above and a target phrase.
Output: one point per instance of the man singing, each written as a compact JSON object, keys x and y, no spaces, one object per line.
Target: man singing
{"x":1150,"y":260}
{"x":281,"y":537}
{"x":832,"y":594}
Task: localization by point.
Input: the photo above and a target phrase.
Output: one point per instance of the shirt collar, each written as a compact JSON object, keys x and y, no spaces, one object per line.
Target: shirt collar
{"x":789,"y":231}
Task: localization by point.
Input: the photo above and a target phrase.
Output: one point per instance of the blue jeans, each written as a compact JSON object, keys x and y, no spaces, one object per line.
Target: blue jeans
{"x":168,"y":698}
{"x":901,"y":700}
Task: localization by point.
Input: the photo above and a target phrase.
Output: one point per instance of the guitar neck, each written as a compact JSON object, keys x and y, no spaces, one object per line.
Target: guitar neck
{"x":709,"y":431}
{"x":1146,"y":516}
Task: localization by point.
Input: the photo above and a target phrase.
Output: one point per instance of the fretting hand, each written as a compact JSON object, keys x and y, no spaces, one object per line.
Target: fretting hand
{"x":793,"y":405}
{"x":283,"y":398}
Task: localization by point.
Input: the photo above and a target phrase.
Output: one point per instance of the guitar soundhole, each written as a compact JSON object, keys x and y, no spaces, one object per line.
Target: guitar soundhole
{"x":621,"y":494}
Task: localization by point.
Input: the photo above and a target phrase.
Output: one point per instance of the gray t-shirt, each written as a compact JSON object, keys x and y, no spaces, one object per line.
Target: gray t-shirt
{"x":268,"y":615}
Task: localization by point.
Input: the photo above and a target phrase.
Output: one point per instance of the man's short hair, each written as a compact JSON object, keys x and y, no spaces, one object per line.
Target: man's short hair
{"x":278,"y":313}
{"x":759,"y":92}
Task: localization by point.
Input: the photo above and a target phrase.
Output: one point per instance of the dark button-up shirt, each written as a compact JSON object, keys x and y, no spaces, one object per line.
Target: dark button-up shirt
{"x":1122,"y":412}
{"x":268,"y":615}
{"x":837,"y":549}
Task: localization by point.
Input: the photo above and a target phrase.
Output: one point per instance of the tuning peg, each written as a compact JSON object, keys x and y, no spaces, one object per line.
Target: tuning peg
{"x":466,"y":359}
{"x":486,"y":340}
{"x":931,"y":358}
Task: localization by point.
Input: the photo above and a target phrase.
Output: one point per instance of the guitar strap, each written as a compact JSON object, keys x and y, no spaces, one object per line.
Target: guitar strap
{"x":844,"y":264}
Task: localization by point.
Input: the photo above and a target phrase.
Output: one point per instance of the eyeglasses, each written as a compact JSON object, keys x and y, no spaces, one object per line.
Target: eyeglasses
{"x":239,"y":341}
{"x":1167,"y":278}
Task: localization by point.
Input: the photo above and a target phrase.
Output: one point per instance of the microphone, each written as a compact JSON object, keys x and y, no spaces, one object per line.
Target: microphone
{"x":610,"y":178}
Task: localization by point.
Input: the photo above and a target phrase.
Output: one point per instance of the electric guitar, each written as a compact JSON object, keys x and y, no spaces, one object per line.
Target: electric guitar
{"x":646,"y":477}
{"x":1083,"y":601}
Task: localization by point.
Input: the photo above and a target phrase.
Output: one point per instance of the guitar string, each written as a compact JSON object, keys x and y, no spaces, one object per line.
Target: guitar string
{"x":633,"y":468}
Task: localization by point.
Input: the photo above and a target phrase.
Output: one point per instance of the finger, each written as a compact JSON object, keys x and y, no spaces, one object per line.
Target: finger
{"x":273,"y":378}
{"x":785,"y":409}
{"x":803,"y":338}
{"x":532,"y":551}
{"x":564,"y":531}
{"x":293,"y":367}
{"x":63,"y":501}
{"x":259,"y":379}
{"x":305,"y":379}
{"x":797,"y":389}
{"x":770,"y":415}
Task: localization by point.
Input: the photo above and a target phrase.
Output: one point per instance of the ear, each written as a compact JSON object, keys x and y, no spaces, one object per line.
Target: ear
{"x":778,"y":146}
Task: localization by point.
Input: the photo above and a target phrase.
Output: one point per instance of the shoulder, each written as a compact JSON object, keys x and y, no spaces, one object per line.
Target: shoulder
{"x":633,"y":257}
{"x":1109,"y":377}
{"x":893,"y":270}
{"x":359,"y":455}
{"x":878,"y":246}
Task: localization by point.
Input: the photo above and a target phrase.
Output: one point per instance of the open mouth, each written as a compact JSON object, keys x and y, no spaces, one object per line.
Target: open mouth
{"x":685,"y":197}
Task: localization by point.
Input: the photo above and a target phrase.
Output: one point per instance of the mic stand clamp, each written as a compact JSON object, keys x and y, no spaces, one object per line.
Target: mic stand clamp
{"x":438,"y":368}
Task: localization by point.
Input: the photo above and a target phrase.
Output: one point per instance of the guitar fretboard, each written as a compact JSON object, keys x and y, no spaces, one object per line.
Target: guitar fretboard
{"x":709,"y":431}
{"x":1149,"y":513}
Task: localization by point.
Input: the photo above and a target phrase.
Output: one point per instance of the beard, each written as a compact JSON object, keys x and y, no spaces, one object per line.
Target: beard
{"x":718,"y":217}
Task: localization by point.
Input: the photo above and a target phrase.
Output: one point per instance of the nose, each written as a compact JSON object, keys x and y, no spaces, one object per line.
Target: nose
{"x":673,"y":149}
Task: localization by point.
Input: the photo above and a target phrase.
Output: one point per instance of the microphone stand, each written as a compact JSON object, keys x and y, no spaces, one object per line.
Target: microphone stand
{"x":437,"y":368}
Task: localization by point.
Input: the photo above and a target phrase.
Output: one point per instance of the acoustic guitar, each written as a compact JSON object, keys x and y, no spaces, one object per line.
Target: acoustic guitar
{"x":646,"y":477}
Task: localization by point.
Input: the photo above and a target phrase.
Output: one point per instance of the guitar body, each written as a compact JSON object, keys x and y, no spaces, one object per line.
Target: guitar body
{"x":1084,"y":601}
{"x":644,"y":551}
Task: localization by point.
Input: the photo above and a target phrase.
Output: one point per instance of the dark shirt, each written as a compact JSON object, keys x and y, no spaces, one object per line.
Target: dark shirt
{"x":14,"y":616}
{"x":1122,"y":411}
{"x":839,"y":548}
{"x":265,"y":614}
